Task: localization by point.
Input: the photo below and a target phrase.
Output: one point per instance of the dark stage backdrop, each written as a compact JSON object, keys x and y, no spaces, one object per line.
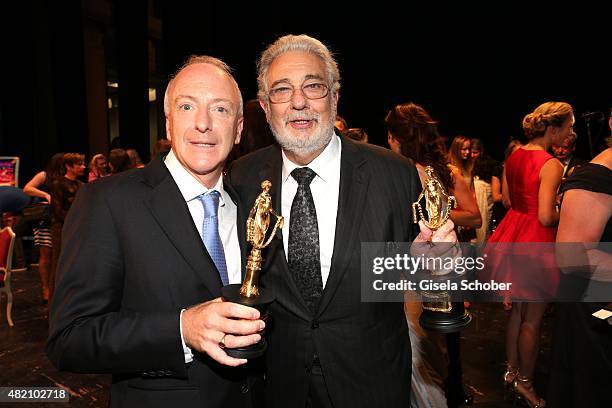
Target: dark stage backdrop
{"x":477,"y":70}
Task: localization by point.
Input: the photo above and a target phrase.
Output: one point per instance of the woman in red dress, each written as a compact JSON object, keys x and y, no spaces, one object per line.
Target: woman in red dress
{"x":529,"y":186}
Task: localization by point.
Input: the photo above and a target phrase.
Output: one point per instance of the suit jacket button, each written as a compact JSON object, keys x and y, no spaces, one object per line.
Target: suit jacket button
{"x":315,"y":324}
{"x":245,"y":388}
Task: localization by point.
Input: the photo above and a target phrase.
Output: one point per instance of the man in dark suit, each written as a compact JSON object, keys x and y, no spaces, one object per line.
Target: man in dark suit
{"x":326,"y":347}
{"x":565,"y":153}
{"x":145,"y":255}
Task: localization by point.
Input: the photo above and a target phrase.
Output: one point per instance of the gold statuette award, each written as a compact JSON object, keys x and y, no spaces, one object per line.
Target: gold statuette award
{"x":439,"y":312}
{"x":249,"y":293}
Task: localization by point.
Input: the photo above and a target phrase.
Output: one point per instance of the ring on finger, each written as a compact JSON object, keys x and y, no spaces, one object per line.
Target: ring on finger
{"x":222,"y":341}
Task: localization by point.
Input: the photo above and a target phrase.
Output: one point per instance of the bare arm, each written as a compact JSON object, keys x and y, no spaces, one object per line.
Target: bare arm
{"x":505,"y":191}
{"x":496,"y":189}
{"x":550,"y":178}
{"x":468,"y":214}
{"x":31,"y":188}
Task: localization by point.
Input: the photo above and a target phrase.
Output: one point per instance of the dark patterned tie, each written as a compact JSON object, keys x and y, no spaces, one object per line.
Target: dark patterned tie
{"x":304,"y":255}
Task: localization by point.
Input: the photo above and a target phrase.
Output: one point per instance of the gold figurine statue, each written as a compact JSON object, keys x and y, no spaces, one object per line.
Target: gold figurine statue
{"x":438,"y":203}
{"x":257,"y":227}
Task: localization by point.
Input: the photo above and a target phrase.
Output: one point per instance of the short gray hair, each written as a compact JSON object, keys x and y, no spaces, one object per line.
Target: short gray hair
{"x":203,"y":59}
{"x":303,"y":43}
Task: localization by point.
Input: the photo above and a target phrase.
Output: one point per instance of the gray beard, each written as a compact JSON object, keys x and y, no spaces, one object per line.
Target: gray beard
{"x":306,"y":146}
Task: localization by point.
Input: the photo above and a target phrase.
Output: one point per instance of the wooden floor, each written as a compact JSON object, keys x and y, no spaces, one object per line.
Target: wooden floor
{"x":23,"y":362}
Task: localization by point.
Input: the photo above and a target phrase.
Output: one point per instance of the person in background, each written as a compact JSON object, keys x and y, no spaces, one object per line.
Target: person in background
{"x":581,"y":343}
{"x":357,"y":134}
{"x":118,"y":161}
{"x":485,"y":175}
{"x":499,"y":207}
{"x":460,"y":157}
{"x":340,"y":124}
{"x":564,"y":151}
{"x":256,"y":133}
{"x":98,"y":168}
{"x":162,"y":146}
{"x":414,"y":134}
{"x":40,"y":186}
{"x":530,"y":182}
{"x":63,"y":192}
{"x":476,"y":148}
{"x":136,"y":162}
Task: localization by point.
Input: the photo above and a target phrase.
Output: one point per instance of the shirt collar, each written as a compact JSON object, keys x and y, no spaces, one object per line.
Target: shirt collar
{"x":188,"y":185}
{"x":322,"y":165}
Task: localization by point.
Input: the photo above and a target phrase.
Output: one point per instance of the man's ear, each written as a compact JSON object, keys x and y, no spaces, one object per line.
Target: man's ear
{"x":168,"y":129}
{"x":239,"y":127}
{"x":265,"y":105}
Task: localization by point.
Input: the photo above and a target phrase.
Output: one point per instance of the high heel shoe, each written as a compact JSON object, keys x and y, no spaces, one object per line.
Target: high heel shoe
{"x":523,"y":387}
{"x":510,"y":375}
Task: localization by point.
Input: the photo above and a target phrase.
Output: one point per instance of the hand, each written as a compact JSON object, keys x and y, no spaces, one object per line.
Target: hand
{"x":441,"y":243}
{"x":206,"y":324}
{"x":47,"y":198}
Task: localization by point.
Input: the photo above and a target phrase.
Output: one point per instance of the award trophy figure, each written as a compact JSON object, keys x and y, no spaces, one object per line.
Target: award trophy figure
{"x":248,"y":293}
{"x":439,"y":314}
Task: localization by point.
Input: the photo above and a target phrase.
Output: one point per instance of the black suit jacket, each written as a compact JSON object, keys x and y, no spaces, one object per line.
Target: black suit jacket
{"x":363,"y":348}
{"x":572,"y":165}
{"x":132,"y":259}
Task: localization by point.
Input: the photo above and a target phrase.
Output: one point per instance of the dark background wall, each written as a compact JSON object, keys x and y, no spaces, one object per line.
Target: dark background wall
{"x":477,"y":70}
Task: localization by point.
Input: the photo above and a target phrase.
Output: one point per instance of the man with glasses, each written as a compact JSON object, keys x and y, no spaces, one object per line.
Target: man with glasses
{"x":326,"y":347}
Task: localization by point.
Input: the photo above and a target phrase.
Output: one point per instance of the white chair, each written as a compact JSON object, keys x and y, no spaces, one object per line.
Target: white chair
{"x":7,"y":240}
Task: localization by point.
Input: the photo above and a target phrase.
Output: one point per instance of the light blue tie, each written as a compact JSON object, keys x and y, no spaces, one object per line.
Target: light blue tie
{"x":210,"y":232}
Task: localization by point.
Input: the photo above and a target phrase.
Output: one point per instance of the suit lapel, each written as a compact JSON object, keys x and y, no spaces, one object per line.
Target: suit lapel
{"x":170,"y":211}
{"x":351,"y":201}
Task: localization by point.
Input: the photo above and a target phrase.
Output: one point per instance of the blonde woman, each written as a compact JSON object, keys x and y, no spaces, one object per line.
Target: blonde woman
{"x":529,"y":188}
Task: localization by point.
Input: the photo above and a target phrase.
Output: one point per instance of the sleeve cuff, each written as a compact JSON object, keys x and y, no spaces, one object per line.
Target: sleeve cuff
{"x":186,"y":350}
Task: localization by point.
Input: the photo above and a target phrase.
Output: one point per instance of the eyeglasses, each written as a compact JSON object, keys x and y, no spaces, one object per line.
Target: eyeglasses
{"x":312,"y":90}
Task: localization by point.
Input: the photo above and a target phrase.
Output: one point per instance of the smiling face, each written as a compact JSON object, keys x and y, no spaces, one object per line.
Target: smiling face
{"x":203,"y":121}
{"x":302,"y":126}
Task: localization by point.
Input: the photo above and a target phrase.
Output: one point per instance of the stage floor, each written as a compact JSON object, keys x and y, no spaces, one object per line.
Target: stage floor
{"x":23,"y":362}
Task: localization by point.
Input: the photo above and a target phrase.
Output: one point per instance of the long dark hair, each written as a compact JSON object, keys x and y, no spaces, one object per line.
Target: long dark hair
{"x":419,"y":139}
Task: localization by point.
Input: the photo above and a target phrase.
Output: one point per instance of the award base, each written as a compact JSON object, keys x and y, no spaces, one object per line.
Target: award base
{"x":448,"y":319}
{"x":231,"y":293}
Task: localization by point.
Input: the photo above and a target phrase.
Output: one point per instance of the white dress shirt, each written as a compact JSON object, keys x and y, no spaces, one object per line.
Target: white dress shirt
{"x":191,"y":189}
{"x":325,"y":188}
